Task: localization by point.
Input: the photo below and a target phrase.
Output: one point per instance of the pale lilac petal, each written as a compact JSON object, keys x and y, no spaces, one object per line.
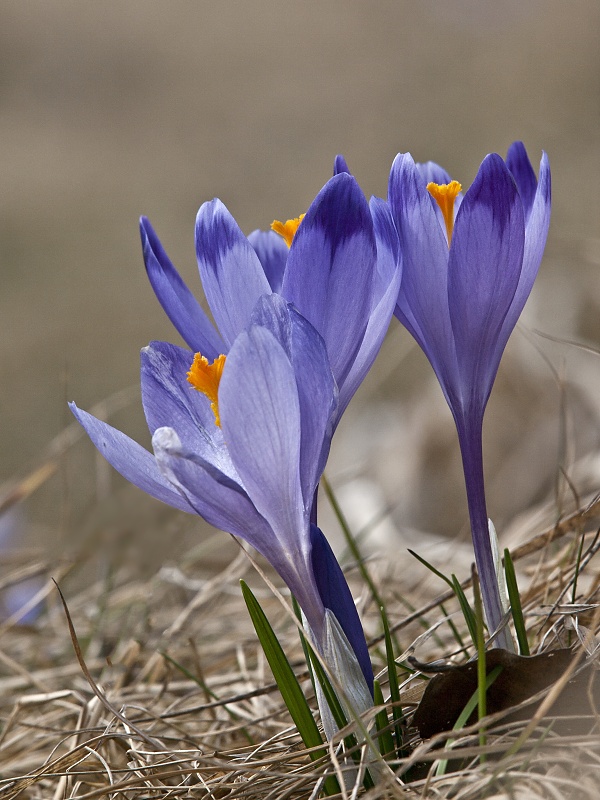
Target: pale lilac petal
{"x":431,"y":172}
{"x":226,"y":506}
{"x":231,"y":273}
{"x":423,"y":296}
{"x":272,"y":252}
{"x":129,"y":458}
{"x":483,"y":273}
{"x":385,"y":294}
{"x":170,"y":401}
{"x":261,"y":425}
{"x":519,"y":165}
{"x":317,"y":392}
{"x":216,"y":497}
{"x":180,"y":305}
{"x":536,"y":232}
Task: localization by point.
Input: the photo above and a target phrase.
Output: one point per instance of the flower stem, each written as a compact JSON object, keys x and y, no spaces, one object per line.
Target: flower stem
{"x":471,"y":447}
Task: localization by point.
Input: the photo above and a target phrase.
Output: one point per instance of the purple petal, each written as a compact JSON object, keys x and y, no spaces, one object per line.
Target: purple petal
{"x":260,"y":417}
{"x":536,"y":231}
{"x":431,"y":172}
{"x":129,"y":458}
{"x":180,"y":305}
{"x":518,"y":163}
{"x":226,"y":505}
{"x":336,"y":596}
{"x":217,"y":498}
{"x":231,"y":273}
{"x":485,"y":263}
{"x":331,"y":269}
{"x":170,"y":401}
{"x":340,"y":165}
{"x":272,"y":252}
{"x":423,"y":297}
{"x":385,"y":294}
{"x":317,"y":392}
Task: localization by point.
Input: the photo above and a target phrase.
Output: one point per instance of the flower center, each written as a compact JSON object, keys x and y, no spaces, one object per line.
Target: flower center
{"x":444,"y":195}
{"x":287,"y":229}
{"x":205,"y":378}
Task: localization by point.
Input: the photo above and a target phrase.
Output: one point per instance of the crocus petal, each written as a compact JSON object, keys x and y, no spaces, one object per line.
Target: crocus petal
{"x":329,"y":274}
{"x":431,"y":172}
{"x":423,"y":297}
{"x":272,"y":252}
{"x":340,"y":165}
{"x":180,"y":305}
{"x":231,"y":273}
{"x":385,"y":294}
{"x":536,"y":232}
{"x":336,"y":596}
{"x":485,"y":263}
{"x":129,"y":458}
{"x":216,"y":497}
{"x":261,"y":425}
{"x":518,"y":163}
{"x":317,"y":392}
{"x":170,"y":401}
{"x":226,"y":505}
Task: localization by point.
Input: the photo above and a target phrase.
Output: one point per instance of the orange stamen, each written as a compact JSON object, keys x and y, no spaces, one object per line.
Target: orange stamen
{"x":287,"y":229}
{"x":205,"y":378}
{"x":444,"y":195}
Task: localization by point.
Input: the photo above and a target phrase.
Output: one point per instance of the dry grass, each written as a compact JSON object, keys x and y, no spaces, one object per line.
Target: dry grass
{"x":178,"y":701}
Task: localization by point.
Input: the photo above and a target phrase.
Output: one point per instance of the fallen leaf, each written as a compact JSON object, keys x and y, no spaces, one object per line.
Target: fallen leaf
{"x":448,"y":692}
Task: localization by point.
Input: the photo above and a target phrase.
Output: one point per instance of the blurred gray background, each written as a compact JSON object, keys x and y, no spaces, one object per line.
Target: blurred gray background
{"x":112,"y":110}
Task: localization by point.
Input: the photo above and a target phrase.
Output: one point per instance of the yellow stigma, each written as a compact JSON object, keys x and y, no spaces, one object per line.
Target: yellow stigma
{"x":444,"y":195}
{"x":287,"y":229}
{"x":205,"y":378}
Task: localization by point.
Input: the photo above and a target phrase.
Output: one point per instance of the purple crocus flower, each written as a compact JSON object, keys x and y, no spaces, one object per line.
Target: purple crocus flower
{"x":248,"y":457}
{"x":341,"y":272}
{"x":468,"y":268}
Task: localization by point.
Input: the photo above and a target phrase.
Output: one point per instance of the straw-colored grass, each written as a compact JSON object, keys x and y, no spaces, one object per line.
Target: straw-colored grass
{"x":165,"y":692}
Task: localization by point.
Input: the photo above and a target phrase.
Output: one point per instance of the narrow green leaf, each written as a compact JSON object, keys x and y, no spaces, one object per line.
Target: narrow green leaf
{"x":456,"y":588}
{"x":453,"y":628}
{"x":431,"y":568}
{"x":465,"y":608}
{"x":305,"y":645}
{"x":287,"y":682}
{"x":397,"y":712}
{"x":384,"y":736}
{"x":515,"y":603}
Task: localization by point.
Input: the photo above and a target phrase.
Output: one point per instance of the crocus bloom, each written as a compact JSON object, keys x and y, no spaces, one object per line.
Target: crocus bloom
{"x":246,"y":452}
{"x":468,"y":267}
{"x":341,"y":271}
